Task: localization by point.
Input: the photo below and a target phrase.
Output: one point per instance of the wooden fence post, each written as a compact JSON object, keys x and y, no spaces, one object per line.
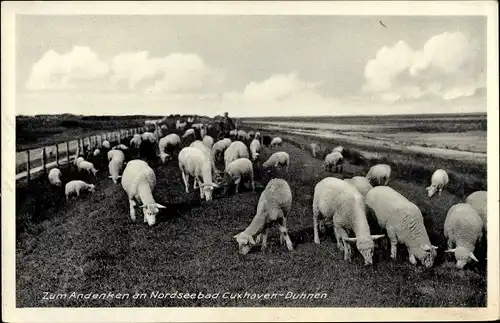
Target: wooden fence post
{"x":44,"y":160}
{"x":28,"y":165}
{"x":67,"y":151}
{"x":119,"y":137}
{"x":57,"y":154}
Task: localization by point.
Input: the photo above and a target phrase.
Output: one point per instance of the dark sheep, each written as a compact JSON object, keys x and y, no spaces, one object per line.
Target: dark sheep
{"x":266,"y":140}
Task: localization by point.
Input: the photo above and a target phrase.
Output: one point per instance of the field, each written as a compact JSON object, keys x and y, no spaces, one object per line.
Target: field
{"x":91,"y":246}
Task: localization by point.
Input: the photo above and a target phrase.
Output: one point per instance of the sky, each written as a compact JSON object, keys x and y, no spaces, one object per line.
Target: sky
{"x":250,"y":65}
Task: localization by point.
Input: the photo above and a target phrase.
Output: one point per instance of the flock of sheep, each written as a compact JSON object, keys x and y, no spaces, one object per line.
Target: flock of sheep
{"x":342,"y":204}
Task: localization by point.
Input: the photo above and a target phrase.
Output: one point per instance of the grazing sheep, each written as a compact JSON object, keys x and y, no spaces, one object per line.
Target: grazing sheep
{"x":170,"y":143}
{"x":338,"y":202}
{"x":278,"y":158}
{"x":97,"y":152}
{"x":238,"y":169}
{"x":266,"y":140}
{"x":195,"y":163}
{"x":136,"y":141}
{"x":361,"y":183}
{"x":251,"y":134}
{"x":479,"y":201}
{"x":277,"y":141}
{"x":115,"y":166}
{"x":334,"y":159}
{"x":236,"y":150}
{"x":339,"y":149}
{"x":164,"y":127}
{"x":379,"y":174}
{"x":106,"y":144}
{"x":88,"y":166}
{"x":188,"y":132}
{"x":463,"y":228}
{"x":219,"y":147}
{"x":199,"y":145}
{"x":116,"y":152}
{"x":148,"y":136}
{"x":55,"y":177}
{"x":180,"y":125}
{"x":147,"y":150}
{"x":403,"y":222}
{"x":77,"y":186}
{"x":208,"y":141}
{"x":78,"y":160}
{"x":255,"y":149}
{"x":139,"y":181}
{"x":242,"y":135}
{"x":233,"y":133}
{"x":438,"y":181}
{"x":275,"y":204}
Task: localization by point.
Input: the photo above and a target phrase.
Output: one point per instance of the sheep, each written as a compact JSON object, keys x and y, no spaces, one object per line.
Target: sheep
{"x":334,"y":159}
{"x":120,"y":147}
{"x":97,"y":152}
{"x":403,"y":222}
{"x":188,"y":133}
{"x":236,"y":150}
{"x":340,"y":203}
{"x":180,"y":125}
{"x":242,"y":135}
{"x":274,"y":205}
{"x":339,"y":149}
{"x":106,"y":144}
{"x":115,"y":166}
{"x":208,"y":141}
{"x":379,"y":174}
{"x":136,"y":141}
{"x":199,"y":145}
{"x":164,"y":127}
{"x":148,"y":136}
{"x":77,"y":186}
{"x":139,"y":181}
{"x":113,"y":153}
{"x":78,"y":160}
{"x":219,"y":147}
{"x":361,"y":183}
{"x":195,"y":163}
{"x":233,"y":133}
{"x":463,"y":228}
{"x":55,"y":177}
{"x":278,"y":158}
{"x":438,"y":181}
{"x":255,"y":149}
{"x":147,"y":150}
{"x":266,"y":140}
{"x":479,"y":201}
{"x":88,"y":166}
{"x":251,"y":134}
{"x":236,"y":170}
{"x":172,"y":142}
{"x":277,"y":141}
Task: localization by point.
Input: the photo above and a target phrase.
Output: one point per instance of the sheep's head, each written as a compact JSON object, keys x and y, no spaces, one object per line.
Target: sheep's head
{"x":245,"y":242}
{"x":255,"y":156}
{"x":91,"y":188}
{"x":365,"y":246}
{"x":463,"y":256}
{"x":428,"y":255}
{"x":208,"y":190}
{"x":150,"y":211}
{"x":58,"y":183}
{"x":164,"y":157}
{"x":431,"y":190}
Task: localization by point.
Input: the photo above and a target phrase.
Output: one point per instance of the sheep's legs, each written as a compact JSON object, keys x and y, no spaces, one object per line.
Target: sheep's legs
{"x":282,"y":236}
{"x":132,"y":209}
{"x":283,"y":230}
{"x":394,"y":242}
{"x":253,"y":184}
{"x":184,"y":178}
{"x":237,"y":183}
{"x":315,"y":223}
{"x":450,"y":244}
{"x":263,"y":247}
{"x":338,"y":237}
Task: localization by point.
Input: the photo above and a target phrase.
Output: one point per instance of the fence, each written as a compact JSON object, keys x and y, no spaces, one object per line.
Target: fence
{"x":33,"y":161}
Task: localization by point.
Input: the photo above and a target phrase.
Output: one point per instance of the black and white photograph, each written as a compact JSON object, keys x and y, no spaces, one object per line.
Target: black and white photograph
{"x":247,"y":159}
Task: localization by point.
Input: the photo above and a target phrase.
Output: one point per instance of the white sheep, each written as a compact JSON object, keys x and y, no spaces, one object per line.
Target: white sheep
{"x":340,"y":203}
{"x":438,"y":181}
{"x":255,"y":148}
{"x":463,"y":228}
{"x":115,"y":166}
{"x":170,"y":140}
{"x":88,"y":166}
{"x":280,"y":158}
{"x":242,"y":135}
{"x":201,"y":146}
{"x":276,"y":141}
{"x":403,"y":222}
{"x":238,"y":169}
{"x":136,"y":141}
{"x":379,"y":174}
{"x":339,"y":149}
{"x":180,"y":125}
{"x":149,"y":136}
{"x":233,"y":132}
{"x":106,"y":144}
{"x":78,"y":160}
{"x":139,"y":181}
{"x":113,"y":153}
{"x":97,"y":152}
{"x":334,"y":159}
{"x":55,"y":177}
{"x":164,"y":127}
{"x":208,"y":141}
{"x":188,"y":133}
{"x":236,"y":150}
{"x":251,"y":134}
{"x":76,"y":187}
{"x":361,"y":183}
{"x":479,"y":201}
{"x":195,"y":163}
{"x":120,"y":146}
{"x":274,"y":205}
{"x":219,"y":147}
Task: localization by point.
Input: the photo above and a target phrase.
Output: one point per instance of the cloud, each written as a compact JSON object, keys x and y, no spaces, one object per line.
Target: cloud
{"x":448,"y":66}
{"x":77,"y":68}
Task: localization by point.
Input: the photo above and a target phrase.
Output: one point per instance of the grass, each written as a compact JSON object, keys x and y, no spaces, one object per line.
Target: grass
{"x":91,"y":245}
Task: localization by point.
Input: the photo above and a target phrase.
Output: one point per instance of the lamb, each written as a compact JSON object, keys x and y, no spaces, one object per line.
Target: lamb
{"x":219,"y":147}
{"x":236,"y":150}
{"x":463,"y":228}
{"x":55,"y":177}
{"x":339,"y":149}
{"x":361,"y":183}
{"x":438,"y":180}
{"x":255,"y":149}
{"x":172,"y":142}
{"x":479,"y":201}
{"x":188,"y":132}
{"x":88,"y":166}
{"x":136,"y":141}
{"x":238,"y":169}
{"x":277,"y":141}
{"x":115,"y":166}
{"x":379,"y":174}
{"x":278,"y":158}
{"x":106,"y":144}
{"x":274,"y":205}
{"x":78,"y":160}
{"x":195,"y":163}
{"x":97,"y":152}
{"x":76,"y":187}
{"x":208,"y":141}
{"x":139,"y":181}
{"x":339,"y":202}
{"x":403,"y":222}
{"x":334,"y":159}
